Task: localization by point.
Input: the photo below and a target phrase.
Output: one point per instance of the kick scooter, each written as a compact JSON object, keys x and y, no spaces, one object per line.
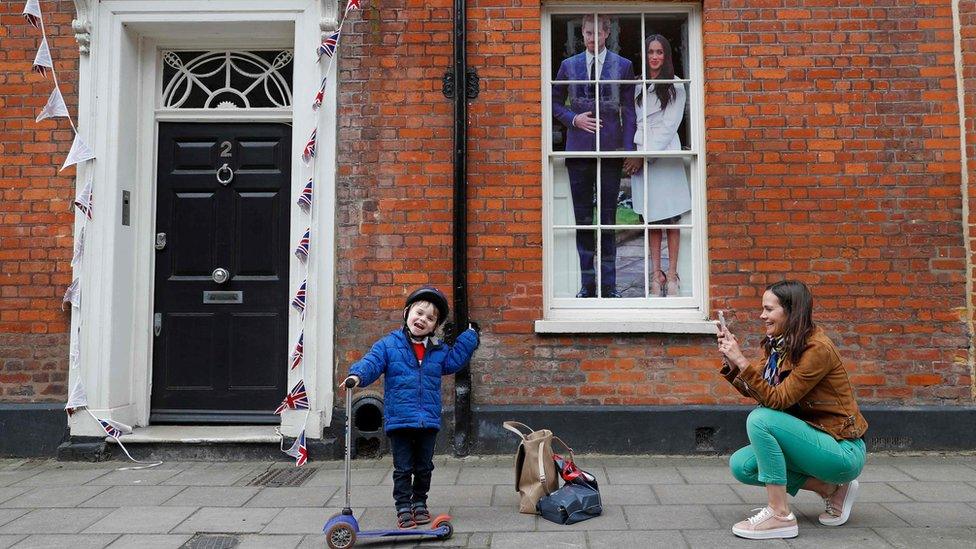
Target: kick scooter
{"x":342,"y":530}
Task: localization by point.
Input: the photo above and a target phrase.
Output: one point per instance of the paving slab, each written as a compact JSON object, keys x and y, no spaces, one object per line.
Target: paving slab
{"x":138,"y":477}
{"x":61,"y":541}
{"x":315,"y":496}
{"x":847,"y":537}
{"x":141,"y":520}
{"x":504,"y":495}
{"x":706,"y":474}
{"x":932,"y":515}
{"x":127,"y":496}
{"x":669,"y":517}
{"x":644,"y":475}
{"x":622,"y":494}
{"x":13,"y":476}
{"x":487,"y":475}
{"x":937,"y":471}
{"x":7,"y":494}
{"x":65,"y":476}
{"x":883,"y":473}
{"x":943,"y":538}
{"x":863,"y":515}
{"x":228,"y":519}
{"x":486,"y":519}
{"x":357,"y":477}
{"x":261,"y":541}
{"x":879,"y":492}
{"x":7,"y":540}
{"x":696,"y":493}
{"x":214,"y":496}
{"x":298,"y":520}
{"x":936,"y":491}
{"x":54,"y":497}
{"x":636,"y":538}
{"x":150,"y":541}
{"x":216,"y":474}
{"x":726,"y":540}
{"x":539,"y":540}
{"x":52,"y":521}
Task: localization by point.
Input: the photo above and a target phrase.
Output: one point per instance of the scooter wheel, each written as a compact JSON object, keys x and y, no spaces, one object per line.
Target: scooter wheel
{"x":443,"y":522}
{"x":340,"y":536}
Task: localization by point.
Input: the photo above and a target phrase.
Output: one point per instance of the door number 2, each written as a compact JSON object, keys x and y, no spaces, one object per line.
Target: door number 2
{"x":225,"y":148}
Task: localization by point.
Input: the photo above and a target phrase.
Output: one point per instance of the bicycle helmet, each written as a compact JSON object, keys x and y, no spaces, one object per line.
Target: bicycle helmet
{"x":432,"y":295}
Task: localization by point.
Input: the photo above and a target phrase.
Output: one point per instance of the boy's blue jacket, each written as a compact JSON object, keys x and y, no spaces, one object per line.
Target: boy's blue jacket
{"x":411,"y":391}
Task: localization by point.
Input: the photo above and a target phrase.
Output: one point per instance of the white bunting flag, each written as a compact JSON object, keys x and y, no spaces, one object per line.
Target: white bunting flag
{"x":73,"y":294}
{"x":79,"y":248}
{"x":55,"y":106}
{"x":42,"y":61}
{"x":78,"y":398}
{"x":32,"y":13}
{"x":79,"y":153}
{"x":84,"y":200}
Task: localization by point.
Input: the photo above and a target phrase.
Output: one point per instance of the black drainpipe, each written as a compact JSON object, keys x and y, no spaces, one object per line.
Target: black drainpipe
{"x":461,"y":84}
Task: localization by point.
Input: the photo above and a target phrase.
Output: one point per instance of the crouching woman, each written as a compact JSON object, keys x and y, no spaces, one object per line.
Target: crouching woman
{"x":807,"y":432}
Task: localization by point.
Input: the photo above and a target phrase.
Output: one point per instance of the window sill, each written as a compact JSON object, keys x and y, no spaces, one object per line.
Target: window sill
{"x":625,"y":326}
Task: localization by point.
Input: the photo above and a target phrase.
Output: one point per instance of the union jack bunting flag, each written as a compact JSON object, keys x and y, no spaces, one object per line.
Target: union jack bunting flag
{"x":329,"y":45}
{"x":305,"y":199}
{"x":297,"y":399}
{"x":32,"y":13}
{"x":298,"y":450}
{"x":354,"y":5}
{"x":301,"y":252}
{"x":298,"y":302}
{"x":309,"y":152}
{"x":299,"y":353}
{"x":114,"y":429}
{"x":319,"y":97}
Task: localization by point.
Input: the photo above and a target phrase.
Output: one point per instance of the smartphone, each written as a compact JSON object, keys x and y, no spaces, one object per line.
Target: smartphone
{"x":721,"y":320}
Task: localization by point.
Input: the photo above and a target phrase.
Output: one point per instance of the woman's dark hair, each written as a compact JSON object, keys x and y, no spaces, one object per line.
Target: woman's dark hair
{"x":665,"y":92}
{"x":797,"y":301}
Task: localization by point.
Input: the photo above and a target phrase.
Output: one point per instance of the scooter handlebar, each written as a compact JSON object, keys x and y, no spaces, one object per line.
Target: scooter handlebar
{"x":351,"y":382}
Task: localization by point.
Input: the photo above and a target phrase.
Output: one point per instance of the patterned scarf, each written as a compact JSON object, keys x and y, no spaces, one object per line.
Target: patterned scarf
{"x":771,"y":372}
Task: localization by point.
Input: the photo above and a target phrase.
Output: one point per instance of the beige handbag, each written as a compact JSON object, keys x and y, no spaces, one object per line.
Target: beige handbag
{"x":535,"y":470}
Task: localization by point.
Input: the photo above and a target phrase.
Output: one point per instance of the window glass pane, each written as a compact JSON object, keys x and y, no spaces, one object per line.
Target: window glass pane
{"x":669,"y":255}
{"x":631,"y":262}
{"x":662,"y":109}
{"x":660,"y":190}
{"x":566,"y":262}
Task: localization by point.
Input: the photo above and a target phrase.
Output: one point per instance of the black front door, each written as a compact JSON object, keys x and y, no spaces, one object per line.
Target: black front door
{"x":221,"y":281}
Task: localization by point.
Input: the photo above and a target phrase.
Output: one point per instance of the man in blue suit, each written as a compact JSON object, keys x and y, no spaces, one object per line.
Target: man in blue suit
{"x":616,"y":122}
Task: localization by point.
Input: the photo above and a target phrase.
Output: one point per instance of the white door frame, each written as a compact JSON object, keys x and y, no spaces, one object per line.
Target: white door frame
{"x":118,"y":118}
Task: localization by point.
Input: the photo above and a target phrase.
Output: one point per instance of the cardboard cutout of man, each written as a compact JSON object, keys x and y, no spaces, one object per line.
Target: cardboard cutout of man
{"x":616,"y":124}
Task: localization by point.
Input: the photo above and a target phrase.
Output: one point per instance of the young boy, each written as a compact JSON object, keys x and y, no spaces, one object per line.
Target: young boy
{"x":413,"y":363}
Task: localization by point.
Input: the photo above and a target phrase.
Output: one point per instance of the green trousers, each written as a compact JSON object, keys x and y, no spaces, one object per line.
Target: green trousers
{"x":787,"y":450}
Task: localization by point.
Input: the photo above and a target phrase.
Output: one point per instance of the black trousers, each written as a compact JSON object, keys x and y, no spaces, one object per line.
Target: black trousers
{"x":582,"y":185}
{"x":413,"y":464}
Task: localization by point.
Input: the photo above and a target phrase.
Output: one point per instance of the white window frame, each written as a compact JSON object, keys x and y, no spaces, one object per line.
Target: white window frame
{"x":616,"y":315}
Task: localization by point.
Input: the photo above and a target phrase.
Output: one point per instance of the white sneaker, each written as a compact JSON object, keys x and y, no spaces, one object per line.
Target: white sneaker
{"x":767,"y":525}
{"x":833,"y":516}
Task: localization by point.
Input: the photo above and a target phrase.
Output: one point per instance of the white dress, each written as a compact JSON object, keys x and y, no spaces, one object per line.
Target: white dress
{"x":669,"y":193}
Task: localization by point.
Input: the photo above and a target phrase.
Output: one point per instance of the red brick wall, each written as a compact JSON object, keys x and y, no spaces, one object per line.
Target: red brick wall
{"x":841,"y":120}
{"x":833,"y":157}
{"x":35,"y":207}
{"x":967,"y":16}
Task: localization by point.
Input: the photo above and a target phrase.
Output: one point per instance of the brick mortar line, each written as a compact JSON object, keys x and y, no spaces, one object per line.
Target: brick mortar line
{"x":964,"y":187}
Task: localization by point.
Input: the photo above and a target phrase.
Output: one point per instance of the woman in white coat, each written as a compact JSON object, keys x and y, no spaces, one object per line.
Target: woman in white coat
{"x":660,"y":108}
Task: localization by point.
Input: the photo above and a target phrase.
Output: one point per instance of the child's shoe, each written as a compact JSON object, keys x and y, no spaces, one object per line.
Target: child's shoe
{"x":766,"y":524}
{"x":420,"y":514}
{"x":405,"y":520}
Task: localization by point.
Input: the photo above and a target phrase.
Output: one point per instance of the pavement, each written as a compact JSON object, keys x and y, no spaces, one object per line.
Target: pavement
{"x":911,"y":501}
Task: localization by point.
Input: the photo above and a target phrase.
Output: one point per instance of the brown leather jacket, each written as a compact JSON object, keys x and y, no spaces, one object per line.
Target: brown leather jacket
{"x":816,"y":390}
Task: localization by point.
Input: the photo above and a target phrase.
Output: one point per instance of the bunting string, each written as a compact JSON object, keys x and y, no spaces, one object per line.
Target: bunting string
{"x":297,"y":398}
{"x":84,"y":202}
